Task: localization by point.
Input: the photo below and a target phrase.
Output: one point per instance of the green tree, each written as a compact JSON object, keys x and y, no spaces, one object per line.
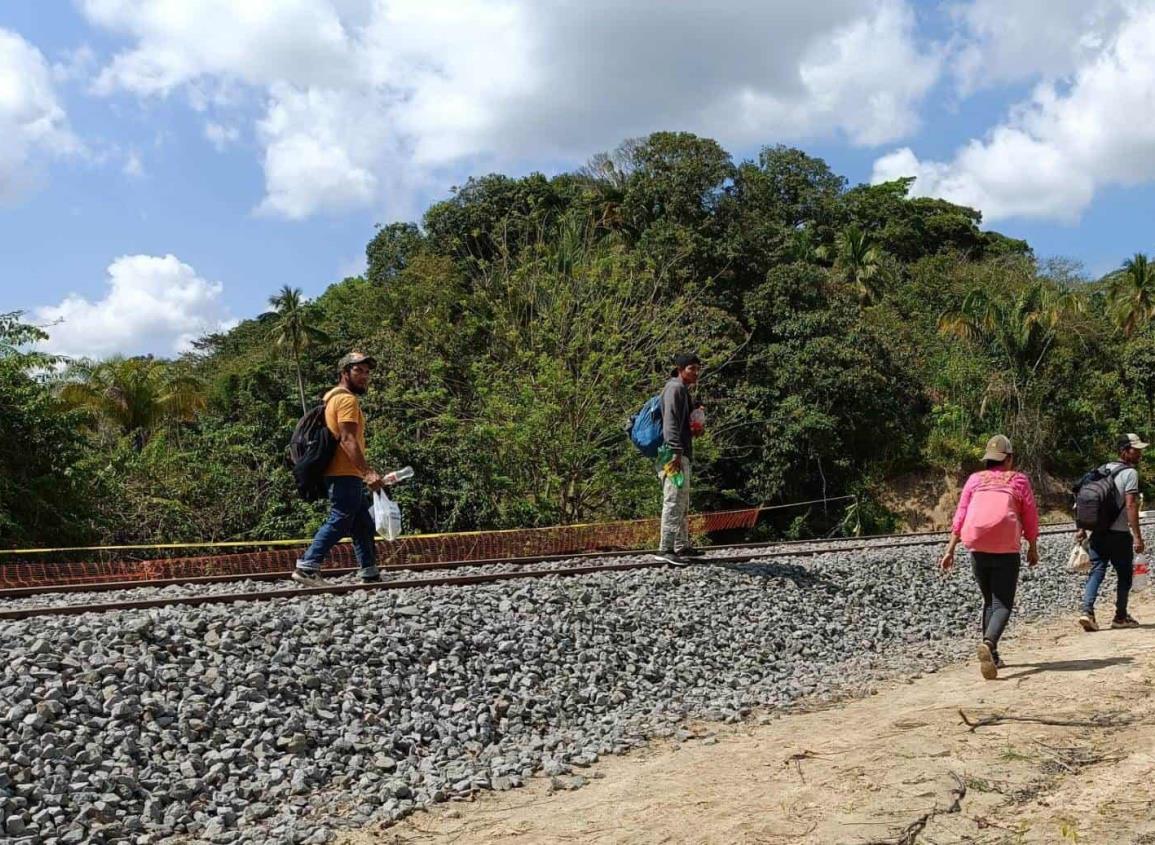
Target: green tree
{"x":133,"y":396}
{"x":858,"y":262}
{"x":391,"y":250}
{"x":1131,"y":290}
{"x":1017,"y":331}
{"x":784,"y":207}
{"x":294,"y":329}
{"x":42,"y":495}
{"x":913,"y":228}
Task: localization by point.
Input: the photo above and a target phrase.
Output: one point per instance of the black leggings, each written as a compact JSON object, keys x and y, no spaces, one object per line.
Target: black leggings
{"x":998,"y":578}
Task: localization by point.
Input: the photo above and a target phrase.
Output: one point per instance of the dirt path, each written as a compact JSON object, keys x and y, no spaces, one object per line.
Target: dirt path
{"x":877,"y":769}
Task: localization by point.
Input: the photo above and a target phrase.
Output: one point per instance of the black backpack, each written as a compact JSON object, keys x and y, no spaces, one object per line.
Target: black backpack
{"x":1096,"y":505}
{"x":309,"y":452}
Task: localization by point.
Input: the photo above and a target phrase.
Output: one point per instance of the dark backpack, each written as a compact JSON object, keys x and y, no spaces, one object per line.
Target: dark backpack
{"x":645,"y":428}
{"x":1096,"y":505}
{"x":309,"y":452}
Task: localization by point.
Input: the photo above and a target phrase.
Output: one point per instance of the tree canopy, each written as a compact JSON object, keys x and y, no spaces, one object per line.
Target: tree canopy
{"x":849,"y":333}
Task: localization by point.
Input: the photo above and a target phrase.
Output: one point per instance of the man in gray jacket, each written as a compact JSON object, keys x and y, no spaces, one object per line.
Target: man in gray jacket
{"x":677,"y":406}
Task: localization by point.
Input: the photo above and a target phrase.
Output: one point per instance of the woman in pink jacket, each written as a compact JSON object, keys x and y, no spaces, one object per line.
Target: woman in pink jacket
{"x":995,"y":512}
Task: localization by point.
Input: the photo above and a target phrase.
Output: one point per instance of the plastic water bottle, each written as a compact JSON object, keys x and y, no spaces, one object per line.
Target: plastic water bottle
{"x":1140,"y":572}
{"x":403,"y":474}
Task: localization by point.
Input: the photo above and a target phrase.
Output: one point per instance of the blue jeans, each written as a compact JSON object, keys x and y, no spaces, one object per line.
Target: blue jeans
{"x":350,"y":514}
{"x":1114,"y":547}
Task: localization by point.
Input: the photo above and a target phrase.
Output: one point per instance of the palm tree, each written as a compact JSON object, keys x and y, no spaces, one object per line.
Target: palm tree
{"x":1131,"y":290}
{"x":1018,"y":332}
{"x":858,"y":262}
{"x":132,"y":396}
{"x":294,"y":331}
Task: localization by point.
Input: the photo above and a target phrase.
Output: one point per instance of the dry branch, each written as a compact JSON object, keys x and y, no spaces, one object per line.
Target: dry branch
{"x":910,"y":833}
{"x":1105,"y":721}
{"x":797,"y":759}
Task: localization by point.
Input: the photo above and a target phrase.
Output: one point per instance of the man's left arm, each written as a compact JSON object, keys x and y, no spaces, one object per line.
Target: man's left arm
{"x":1133,"y":519}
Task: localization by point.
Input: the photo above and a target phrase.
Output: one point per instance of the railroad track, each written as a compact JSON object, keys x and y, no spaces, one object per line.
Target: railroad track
{"x":642,"y":559}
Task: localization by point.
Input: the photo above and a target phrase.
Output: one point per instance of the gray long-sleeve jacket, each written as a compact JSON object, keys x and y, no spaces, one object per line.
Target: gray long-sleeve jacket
{"x":676,"y":409}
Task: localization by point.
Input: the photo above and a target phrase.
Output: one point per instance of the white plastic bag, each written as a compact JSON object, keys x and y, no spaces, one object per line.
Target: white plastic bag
{"x":1079,"y":561}
{"x":386,"y":516}
{"x":1141,"y":572}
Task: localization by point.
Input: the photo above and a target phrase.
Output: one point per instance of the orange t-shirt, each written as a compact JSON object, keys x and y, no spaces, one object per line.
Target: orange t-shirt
{"x":342,"y":406}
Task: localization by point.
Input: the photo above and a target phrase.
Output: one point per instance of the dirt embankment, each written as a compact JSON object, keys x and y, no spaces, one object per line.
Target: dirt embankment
{"x":1060,"y":749}
{"x":925,"y":501}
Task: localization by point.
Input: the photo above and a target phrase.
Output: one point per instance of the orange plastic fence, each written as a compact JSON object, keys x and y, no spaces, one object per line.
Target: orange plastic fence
{"x":478,"y":546}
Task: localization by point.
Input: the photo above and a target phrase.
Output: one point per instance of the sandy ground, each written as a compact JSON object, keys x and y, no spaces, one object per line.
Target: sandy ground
{"x":898,"y":767}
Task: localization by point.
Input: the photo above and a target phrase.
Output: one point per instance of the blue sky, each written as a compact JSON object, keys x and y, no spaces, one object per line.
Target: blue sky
{"x":166,"y":165}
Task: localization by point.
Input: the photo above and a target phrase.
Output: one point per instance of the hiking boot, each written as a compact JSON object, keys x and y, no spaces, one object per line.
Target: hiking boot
{"x":1126,"y":621}
{"x":371,"y":579}
{"x":671,"y":558}
{"x":690,"y":551}
{"x":987,"y":662}
{"x":998,"y":659}
{"x":1087,"y":620}
{"x":309,"y":579}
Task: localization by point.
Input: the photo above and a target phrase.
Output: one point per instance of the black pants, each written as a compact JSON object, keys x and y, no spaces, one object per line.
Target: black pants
{"x":998,"y":578}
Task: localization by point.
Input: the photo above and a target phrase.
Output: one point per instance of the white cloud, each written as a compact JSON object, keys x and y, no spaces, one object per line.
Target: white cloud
{"x":1003,"y":41}
{"x":1072,"y":138}
{"x":133,"y":166}
{"x":33,"y":124}
{"x":76,"y":64}
{"x":368,"y":100}
{"x":153,"y":305}
{"x":178,"y":41}
{"x":221,"y":136}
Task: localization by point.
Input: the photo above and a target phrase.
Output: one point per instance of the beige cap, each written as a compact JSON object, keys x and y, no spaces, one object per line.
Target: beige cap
{"x":998,"y":447}
{"x":1130,"y":441}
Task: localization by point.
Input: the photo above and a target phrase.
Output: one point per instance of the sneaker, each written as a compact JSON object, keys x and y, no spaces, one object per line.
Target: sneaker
{"x":371,"y":579}
{"x":1087,"y":620}
{"x":987,"y":662}
{"x":671,"y":558}
{"x":690,"y":551}
{"x":1127,"y":621}
{"x":309,"y":579}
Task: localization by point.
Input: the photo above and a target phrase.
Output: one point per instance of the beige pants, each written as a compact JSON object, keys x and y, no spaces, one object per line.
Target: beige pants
{"x":675,"y":511}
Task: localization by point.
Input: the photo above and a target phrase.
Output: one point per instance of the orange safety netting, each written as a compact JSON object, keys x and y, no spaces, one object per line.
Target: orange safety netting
{"x":479,"y":546}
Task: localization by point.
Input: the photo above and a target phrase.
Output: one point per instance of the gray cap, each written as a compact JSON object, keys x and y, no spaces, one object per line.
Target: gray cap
{"x":354,"y":358}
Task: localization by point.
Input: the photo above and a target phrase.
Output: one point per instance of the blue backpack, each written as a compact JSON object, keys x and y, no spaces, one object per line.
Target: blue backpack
{"x":645,"y":428}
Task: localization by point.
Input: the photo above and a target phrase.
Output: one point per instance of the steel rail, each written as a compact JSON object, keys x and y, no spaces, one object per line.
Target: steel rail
{"x":460,"y":580}
{"x":299,"y":592}
{"x":788,"y":550}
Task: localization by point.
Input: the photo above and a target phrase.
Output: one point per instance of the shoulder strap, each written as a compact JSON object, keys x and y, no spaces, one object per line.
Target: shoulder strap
{"x":334,"y":392}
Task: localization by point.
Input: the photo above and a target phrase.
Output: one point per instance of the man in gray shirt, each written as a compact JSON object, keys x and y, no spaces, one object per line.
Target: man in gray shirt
{"x":676,"y":409}
{"x":1121,"y":542}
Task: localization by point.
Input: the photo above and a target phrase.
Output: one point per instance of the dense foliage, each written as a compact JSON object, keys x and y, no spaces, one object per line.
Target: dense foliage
{"x":849,"y":334}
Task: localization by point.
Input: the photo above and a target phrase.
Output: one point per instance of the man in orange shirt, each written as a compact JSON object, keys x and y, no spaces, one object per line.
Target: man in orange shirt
{"x":347,"y":478}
